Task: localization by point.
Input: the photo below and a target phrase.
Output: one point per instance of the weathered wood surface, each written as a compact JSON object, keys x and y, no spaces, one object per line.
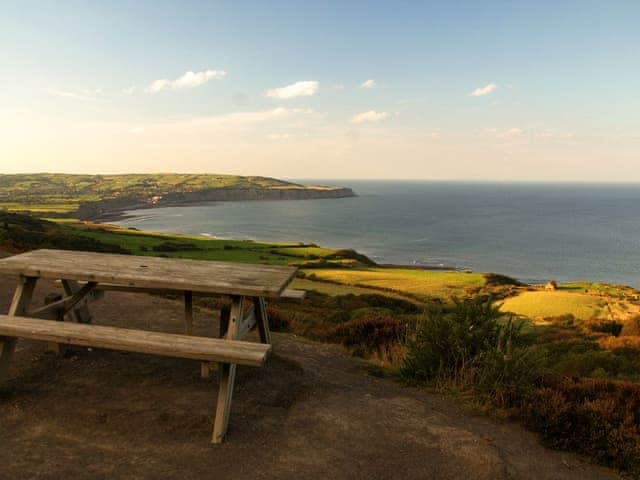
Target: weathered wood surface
{"x":65,"y":305}
{"x":109,"y":287}
{"x":80,"y":314}
{"x":19,"y":304}
{"x":156,"y":343}
{"x":227,"y":374}
{"x":201,"y":276}
{"x":293,"y":294}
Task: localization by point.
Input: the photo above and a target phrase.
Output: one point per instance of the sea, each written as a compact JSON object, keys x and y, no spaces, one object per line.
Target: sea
{"x":534,"y":232}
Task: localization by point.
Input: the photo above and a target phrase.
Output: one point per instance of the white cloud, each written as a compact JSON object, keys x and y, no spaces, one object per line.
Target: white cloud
{"x":370,"y":116}
{"x":188,"y":80}
{"x":371,"y":83}
{"x":129,"y":91}
{"x":304,"y":88}
{"x":487,"y":89}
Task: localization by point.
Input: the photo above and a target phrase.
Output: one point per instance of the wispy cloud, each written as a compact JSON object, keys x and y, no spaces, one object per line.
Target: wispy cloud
{"x":303,"y":88}
{"x":503,"y":132}
{"x":371,"y":83}
{"x":487,"y":89}
{"x":370,"y":116}
{"x":129,"y":90}
{"x":188,"y":80}
{"x":84,"y":95}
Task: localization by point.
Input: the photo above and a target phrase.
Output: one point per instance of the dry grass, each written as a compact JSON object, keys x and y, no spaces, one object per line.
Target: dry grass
{"x":546,"y":304}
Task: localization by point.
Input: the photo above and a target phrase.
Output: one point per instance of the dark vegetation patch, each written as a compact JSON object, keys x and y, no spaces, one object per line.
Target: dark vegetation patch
{"x":598,"y":417}
{"x":171,"y":246}
{"x":20,"y":233}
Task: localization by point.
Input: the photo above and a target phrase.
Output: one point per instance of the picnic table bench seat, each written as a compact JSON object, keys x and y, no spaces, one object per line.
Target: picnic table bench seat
{"x":139,"y":341}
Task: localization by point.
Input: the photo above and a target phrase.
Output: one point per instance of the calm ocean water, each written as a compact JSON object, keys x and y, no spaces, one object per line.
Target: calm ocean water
{"x":534,"y":232}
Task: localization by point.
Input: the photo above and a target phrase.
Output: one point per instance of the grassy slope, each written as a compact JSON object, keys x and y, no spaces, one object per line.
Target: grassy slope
{"x":418,"y":283}
{"x":542,"y":304}
{"x":62,"y":193}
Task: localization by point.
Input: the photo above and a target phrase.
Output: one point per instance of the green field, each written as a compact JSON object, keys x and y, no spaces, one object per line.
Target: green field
{"x":418,"y":283}
{"x":547,"y":304}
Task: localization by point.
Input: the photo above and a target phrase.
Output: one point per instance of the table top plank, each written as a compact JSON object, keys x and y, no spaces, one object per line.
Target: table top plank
{"x":201,"y":276}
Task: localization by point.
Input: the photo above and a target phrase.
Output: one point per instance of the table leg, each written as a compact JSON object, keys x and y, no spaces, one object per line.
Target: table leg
{"x":21,"y":299}
{"x":188,"y":312}
{"x":79,"y":314}
{"x":227,"y":375}
{"x":262,"y":319}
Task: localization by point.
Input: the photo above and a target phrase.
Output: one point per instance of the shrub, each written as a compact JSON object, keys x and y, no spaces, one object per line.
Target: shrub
{"x":171,"y":246}
{"x":600,"y":418}
{"x":367,"y":334}
{"x":509,"y":378}
{"x":448,"y":343}
{"x":607,"y":326}
{"x":471,"y":346}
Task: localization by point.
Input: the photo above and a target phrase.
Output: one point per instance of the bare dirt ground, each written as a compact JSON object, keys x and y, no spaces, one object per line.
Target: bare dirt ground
{"x":312,"y":413}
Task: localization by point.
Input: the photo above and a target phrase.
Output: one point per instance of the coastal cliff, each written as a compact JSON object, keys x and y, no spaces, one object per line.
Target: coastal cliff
{"x":94,"y":210}
{"x":91,"y":197}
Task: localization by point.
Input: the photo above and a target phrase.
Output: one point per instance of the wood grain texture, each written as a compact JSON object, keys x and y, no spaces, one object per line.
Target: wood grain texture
{"x":156,"y":343}
{"x":152,"y":272}
{"x":81,"y":314}
{"x":19,"y":304}
{"x":227,"y":374}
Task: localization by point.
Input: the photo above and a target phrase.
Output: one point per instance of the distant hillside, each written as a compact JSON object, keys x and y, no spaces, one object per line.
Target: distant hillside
{"x":90,"y":196}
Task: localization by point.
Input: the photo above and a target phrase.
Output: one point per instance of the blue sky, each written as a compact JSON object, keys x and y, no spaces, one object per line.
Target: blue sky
{"x":556,"y":88}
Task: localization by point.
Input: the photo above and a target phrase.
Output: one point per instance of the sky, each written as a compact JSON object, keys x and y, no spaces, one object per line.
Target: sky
{"x":455,"y":90}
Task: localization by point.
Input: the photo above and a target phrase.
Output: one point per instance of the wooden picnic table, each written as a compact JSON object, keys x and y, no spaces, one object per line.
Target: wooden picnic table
{"x":84,"y":275}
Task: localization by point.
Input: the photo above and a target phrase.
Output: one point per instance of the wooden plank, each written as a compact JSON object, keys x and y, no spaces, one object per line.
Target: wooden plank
{"x":153,"y":272}
{"x":81,"y":314}
{"x":64,"y":305}
{"x":74,"y":307}
{"x":293,"y":294}
{"x":21,"y":298}
{"x":263,"y":319}
{"x":248,"y":321}
{"x":109,"y":287}
{"x":227,"y":376}
{"x":188,"y":312}
{"x":58,"y":315}
{"x":226,"y":381}
{"x":156,"y":343}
